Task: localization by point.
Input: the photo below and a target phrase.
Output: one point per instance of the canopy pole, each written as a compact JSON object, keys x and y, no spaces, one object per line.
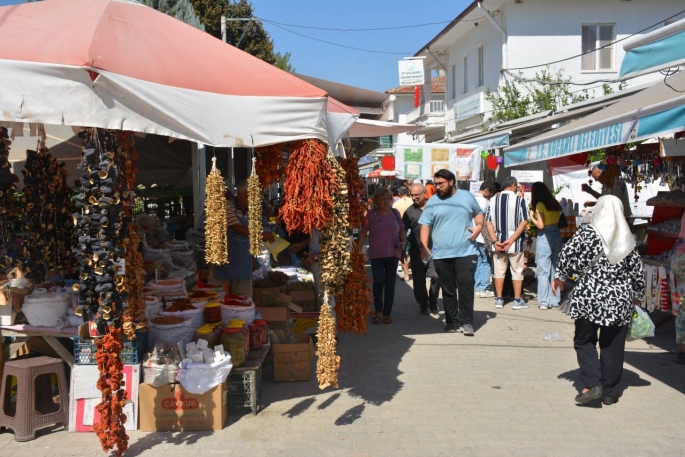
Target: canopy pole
{"x":199,"y":167}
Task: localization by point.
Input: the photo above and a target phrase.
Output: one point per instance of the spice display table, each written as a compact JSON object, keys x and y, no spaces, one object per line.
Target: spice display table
{"x":245,"y":382}
{"x":22,"y":333}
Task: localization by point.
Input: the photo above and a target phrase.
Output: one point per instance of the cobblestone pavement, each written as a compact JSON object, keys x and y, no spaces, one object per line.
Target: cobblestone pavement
{"x":411,"y":389}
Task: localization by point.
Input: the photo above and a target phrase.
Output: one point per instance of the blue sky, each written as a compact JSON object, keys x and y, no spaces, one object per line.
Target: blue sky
{"x":375,"y":71}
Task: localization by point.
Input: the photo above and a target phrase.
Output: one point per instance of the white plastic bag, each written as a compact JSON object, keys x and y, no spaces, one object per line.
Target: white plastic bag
{"x":170,"y":334}
{"x":198,"y":378}
{"x":160,"y":375}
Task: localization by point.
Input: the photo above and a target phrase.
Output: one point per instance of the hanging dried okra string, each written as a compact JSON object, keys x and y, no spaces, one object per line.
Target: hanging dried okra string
{"x":327,"y":363}
{"x":254,"y":212}
{"x":216,"y":244}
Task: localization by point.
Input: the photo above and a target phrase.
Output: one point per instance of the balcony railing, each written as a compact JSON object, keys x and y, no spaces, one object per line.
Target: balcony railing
{"x":434,"y":108}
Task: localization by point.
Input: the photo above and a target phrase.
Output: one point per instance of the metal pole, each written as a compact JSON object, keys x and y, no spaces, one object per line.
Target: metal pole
{"x":223,"y":29}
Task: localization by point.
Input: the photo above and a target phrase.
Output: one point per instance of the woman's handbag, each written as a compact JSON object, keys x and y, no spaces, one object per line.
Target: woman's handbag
{"x":565,"y":305}
{"x":563,"y":223}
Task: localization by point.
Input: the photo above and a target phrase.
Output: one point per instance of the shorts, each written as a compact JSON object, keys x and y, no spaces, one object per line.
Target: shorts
{"x":501,"y":260}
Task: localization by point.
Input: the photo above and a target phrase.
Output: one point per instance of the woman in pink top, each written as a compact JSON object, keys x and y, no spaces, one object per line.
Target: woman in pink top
{"x":677,"y":262}
{"x":387,"y":240}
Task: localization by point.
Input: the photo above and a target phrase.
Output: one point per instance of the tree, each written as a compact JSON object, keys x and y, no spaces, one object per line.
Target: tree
{"x":550,"y":91}
{"x":255,"y":40}
{"x":180,"y":9}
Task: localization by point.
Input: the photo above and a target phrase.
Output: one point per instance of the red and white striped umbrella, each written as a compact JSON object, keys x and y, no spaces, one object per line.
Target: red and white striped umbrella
{"x":120,"y":65}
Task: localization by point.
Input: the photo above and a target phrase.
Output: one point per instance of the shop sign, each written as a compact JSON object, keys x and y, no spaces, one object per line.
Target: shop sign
{"x":411,"y":72}
{"x":470,"y":106}
{"x":180,"y":402}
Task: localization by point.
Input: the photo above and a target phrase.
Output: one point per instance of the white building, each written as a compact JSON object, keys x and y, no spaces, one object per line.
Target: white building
{"x":487,"y":44}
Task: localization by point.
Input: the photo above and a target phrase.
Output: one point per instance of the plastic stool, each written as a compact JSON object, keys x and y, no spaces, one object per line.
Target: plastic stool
{"x":35,"y":407}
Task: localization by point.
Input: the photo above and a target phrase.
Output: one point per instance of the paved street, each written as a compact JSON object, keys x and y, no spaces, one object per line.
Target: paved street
{"x":410,"y":389}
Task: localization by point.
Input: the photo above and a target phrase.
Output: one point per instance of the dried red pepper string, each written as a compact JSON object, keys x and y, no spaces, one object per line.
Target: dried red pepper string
{"x":353,"y":304}
{"x":269,"y":164}
{"x":310,"y":184}
{"x":355,"y":190}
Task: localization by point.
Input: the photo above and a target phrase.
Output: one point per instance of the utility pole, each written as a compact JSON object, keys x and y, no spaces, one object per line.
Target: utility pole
{"x":223,"y":29}
{"x":224,"y":20}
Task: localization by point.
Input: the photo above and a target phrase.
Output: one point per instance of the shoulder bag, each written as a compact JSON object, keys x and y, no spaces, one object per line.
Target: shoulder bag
{"x":563,"y":223}
{"x":565,"y":305}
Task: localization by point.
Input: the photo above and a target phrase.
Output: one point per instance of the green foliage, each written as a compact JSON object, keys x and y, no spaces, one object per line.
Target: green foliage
{"x":519,"y":99}
{"x":283,"y":62}
{"x":596,"y":155}
{"x":180,"y":9}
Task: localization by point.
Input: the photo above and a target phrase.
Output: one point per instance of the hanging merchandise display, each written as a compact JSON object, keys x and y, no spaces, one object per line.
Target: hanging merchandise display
{"x":254,"y":212}
{"x":270,"y":165}
{"x":216,"y":246}
{"x":355,"y":190}
{"x":47,"y":216}
{"x":8,"y":206}
{"x":310,"y":186}
{"x":327,"y":363}
{"x":110,"y":429}
{"x":353,"y":303}
{"x":102,"y":284}
{"x":334,"y":241}
{"x":134,"y":313}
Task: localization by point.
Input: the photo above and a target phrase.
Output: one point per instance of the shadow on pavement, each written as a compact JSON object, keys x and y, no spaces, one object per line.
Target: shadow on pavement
{"x":629,"y":379}
{"x":351,"y":415}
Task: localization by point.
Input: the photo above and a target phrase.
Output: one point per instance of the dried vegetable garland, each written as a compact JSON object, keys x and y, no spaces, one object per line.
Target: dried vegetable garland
{"x":335,"y":237}
{"x":355,"y":190}
{"x":110,"y":429}
{"x":216,"y":245}
{"x":134,"y":313}
{"x":46,"y":216}
{"x":254,"y":212}
{"x":8,"y":204}
{"x":327,"y":363}
{"x":353,"y":303}
{"x":270,"y":168}
{"x":127,"y":160}
{"x":102,"y":285}
{"x":310,"y":185}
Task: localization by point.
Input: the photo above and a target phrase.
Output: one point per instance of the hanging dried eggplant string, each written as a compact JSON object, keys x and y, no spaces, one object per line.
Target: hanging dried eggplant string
{"x":327,"y":363}
{"x":310,"y":185}
{"x":270,"y":165}
{"x":353,"y":304}
{"x":102,"y":286}
{"x":8,"y":204}
{"x":254,"y":212}
{"x":216,"y":244}
{"x":46,"y":222}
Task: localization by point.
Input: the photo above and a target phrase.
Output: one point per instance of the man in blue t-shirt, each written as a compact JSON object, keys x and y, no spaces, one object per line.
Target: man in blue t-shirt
{"x":449,"y":221}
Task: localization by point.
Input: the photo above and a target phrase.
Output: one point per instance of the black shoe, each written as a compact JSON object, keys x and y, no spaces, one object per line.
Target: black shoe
{"x":593,"y":394}
{"x":609,"y":400}
{"x":451,"y":328}
{"x":424,"y":311}
{"x":435,"y":310}
{"x":681,"y":358}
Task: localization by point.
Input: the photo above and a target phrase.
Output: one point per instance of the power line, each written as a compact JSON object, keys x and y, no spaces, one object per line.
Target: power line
{"x":373,"y":29}
{"x":335,"y":44}
{"x":560,"y":83}
{"x":601,"y":47}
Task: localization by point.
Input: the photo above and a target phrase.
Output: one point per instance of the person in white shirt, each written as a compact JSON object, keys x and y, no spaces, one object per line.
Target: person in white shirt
{"x":484,"y":267}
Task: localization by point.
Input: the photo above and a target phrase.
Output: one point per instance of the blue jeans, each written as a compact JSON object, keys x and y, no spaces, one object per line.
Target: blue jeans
{"x":547,"y":251}
{"x":483,"y":269}
{"x":384,"y":273}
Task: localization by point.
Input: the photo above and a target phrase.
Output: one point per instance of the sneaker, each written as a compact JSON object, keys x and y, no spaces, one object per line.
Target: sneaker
{"x":543,"y":307}
{"x":435,"y":310}
{"x":499,"y":303}
{"x":451,"y":328}
{"x":519,"y":304}
{"x":486,"y":294}
{"x":466,"y":329}
{"x":424,"y":311}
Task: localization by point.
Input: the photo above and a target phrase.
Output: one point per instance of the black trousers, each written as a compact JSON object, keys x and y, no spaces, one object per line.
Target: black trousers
{"x":457,"y":275}
{"x":606,"y":370}
{"x":426,"y":298}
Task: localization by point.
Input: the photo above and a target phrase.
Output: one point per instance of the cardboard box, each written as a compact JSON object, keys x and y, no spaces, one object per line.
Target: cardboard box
{"x":276,"y":317}
{"x":306,"y":299}
{"x":84,"y":396}
{"x":172,"y":408}
{"x":292,"y":362}
{"x":258,"y":291}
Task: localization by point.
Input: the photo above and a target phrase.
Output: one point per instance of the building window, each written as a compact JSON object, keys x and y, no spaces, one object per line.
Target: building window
{"x":596,"y":36}
{"x":466,"y":74}
{"x":481,"y":67}
{"x":453,"y":85}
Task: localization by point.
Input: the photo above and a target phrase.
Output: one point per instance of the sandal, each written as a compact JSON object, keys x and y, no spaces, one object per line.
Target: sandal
{"x":376,"y":319}
{"x":387,"y":319}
